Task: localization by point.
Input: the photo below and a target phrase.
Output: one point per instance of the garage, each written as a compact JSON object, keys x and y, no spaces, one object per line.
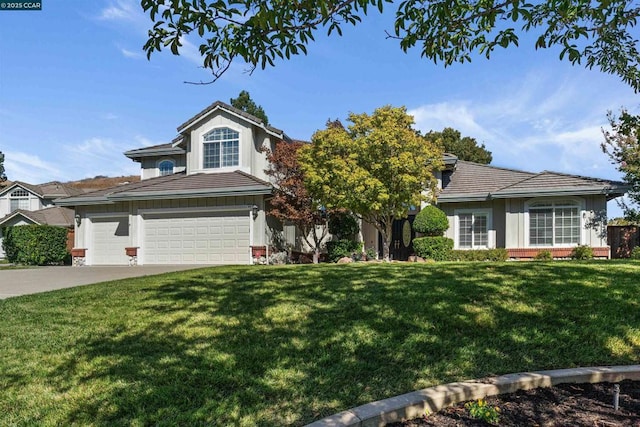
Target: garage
{"x":196,"y":238}
{"x":110,"y":237}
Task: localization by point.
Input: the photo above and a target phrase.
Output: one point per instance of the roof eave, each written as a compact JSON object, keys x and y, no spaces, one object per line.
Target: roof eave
{"x":455,"y":198}
{"x":82,"y":201}
{"x":191,"y":194}
{"x":138,"y":154}
{"x":15,"y":214}
{"x":566,"y":191}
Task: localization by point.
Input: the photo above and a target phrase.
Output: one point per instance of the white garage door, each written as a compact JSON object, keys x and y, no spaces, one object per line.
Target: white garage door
{"x":110,"y":237}
{"x":202,"y":238}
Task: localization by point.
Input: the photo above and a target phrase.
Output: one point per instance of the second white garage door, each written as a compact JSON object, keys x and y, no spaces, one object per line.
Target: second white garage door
{"x":203,"y":238}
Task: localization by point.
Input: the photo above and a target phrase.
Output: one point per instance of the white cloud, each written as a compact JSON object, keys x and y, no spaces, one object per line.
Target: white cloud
{"x":121,"y":10}
{"x":29,"y":168}
{"x":540,"y":124}
{"x":109,"y":116}
{"x":130,"y":54}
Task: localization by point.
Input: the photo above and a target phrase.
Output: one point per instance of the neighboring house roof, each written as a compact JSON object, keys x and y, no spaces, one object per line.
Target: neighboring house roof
{"x":176,"y":186}
{"x":62,"y":217}
{"x":476,"y":182}
{"x":49,"y":190}
{"x":219,"y":105}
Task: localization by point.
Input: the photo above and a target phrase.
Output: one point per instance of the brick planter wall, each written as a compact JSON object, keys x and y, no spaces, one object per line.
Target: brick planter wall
{"x":528,"y":253}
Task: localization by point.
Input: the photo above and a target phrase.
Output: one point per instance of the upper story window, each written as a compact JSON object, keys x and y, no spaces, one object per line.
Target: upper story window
{"x":19,"y":199}
{"x":554,"y":223}
{"x":166,"y":167}
{"x":221,"y":148}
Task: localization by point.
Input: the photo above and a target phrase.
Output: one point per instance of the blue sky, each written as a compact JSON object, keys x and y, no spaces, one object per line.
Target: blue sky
{"x":76,"y":91}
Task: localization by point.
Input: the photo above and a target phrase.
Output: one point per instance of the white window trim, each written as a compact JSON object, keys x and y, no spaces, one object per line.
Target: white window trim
{"x":28,"y":198}
{"x":579,"y":202}
{"x":201,"y":143}
{"x":491,"y":240}
{"x":159,"y":173}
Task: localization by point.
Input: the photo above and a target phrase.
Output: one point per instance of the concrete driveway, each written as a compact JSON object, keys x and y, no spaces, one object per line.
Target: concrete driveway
{"x":43,"y":279}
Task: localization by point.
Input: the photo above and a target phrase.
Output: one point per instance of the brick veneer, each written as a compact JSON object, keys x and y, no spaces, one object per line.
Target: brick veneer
{"x":524,"y":253}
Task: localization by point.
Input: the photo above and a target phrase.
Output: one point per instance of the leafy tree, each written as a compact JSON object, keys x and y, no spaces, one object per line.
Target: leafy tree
{"x":259,"y":32}
{"x":622,"y":146}
{"x":466,"y":148}
{"x":3,"y":176}
{"x":291,"y":201}
{"x":376,"y":168}
{"x":245,"y":103}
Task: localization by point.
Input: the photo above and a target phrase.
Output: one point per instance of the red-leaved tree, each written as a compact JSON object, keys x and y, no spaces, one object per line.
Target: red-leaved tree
{"x":291,"y":201}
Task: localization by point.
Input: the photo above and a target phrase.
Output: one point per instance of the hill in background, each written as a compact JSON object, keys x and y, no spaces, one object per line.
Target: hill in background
{"x":100,"y":182}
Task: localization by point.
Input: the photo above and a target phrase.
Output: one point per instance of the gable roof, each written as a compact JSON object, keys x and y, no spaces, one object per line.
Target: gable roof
{"x":62,"y":217}
{"x":477,"y":182}
{"x":175,"y":186}
{"x":48,"y":190}
{"x":219,"y":105}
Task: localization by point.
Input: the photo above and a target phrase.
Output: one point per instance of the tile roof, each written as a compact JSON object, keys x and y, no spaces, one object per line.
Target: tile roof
{"x":48,"y":190}
{"x":475,"y":178}
{"x":176,"y":185}
{"x":58,"y":216}
{"x":473,"y":181}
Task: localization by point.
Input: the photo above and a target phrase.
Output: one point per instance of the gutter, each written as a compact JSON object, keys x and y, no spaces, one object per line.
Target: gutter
{"x":188,"y":194}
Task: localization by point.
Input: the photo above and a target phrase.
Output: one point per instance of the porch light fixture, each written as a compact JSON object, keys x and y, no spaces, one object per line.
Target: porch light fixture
{"x":78,"y":220}
{"x":254,"y":210}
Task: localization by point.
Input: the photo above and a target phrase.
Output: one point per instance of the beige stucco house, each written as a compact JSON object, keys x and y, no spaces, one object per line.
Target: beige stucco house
{"x":203,"y":197}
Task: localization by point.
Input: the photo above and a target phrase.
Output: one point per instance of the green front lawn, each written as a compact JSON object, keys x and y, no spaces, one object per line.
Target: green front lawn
{"x":287,"y":345}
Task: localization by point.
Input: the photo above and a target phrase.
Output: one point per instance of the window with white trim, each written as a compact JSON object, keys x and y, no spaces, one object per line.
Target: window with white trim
{"x":166,"y":167}
{"x":473,"y":230}
{"x":554,"y":223}
{"x":221,"y":148}
{"x":19,"y":199}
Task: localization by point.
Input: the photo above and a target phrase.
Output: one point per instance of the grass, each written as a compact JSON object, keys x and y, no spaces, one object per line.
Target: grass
{"x":286,"y":345}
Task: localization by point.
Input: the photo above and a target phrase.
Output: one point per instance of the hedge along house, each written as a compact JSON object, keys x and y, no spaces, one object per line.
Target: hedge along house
{"x":524,"y":212}
{"x":201,"y":199}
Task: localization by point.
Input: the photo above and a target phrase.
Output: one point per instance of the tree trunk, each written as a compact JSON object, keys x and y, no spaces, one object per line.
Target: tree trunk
{"x":316,"y":255}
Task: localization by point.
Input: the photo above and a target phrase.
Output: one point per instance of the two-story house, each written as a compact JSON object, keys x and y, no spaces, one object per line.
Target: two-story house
{"x":23,"y":204}
{"x":202,"y":200}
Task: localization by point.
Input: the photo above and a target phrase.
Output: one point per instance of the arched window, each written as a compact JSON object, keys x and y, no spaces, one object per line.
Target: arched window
{"x":19,"y":199}
{"x":221,"y":148}
{"x":554,"y":223}
{"x":166,"y":167}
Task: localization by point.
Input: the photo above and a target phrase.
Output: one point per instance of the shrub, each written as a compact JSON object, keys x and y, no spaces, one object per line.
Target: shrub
{"x":343,"y":225}
{"x":544,"y":255}
{"x":635,"y":253}
{"x":582,"y":252}
{"x":431,"y":221}
{"x":343,"y":248}
{"x":497,"y":254}
{"x":371,"y":254}
{"x":481,"y":410}
{"x":36,"y":244}
{"x":437,"y":248}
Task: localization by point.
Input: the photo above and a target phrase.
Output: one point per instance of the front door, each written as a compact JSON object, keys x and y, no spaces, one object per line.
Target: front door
{"x":402,"y":236}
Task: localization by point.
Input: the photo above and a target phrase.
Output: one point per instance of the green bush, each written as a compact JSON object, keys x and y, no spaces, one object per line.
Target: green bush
{"x":343,"y":248}
{"x":437,"y":248}
{"x":36,"y":244}
{"x":635,"y":253}
{"x":582,"y":252}
{"x":544,"y":255}
{"x":497,"y":254}
{"x":431,"y":221}
{"x":343,"y":225}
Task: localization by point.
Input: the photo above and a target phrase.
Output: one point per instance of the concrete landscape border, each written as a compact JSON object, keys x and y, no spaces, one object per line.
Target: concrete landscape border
{"x":432,"y":399}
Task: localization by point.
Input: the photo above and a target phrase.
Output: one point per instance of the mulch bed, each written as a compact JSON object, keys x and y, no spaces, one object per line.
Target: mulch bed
{"x":562,"y":405}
